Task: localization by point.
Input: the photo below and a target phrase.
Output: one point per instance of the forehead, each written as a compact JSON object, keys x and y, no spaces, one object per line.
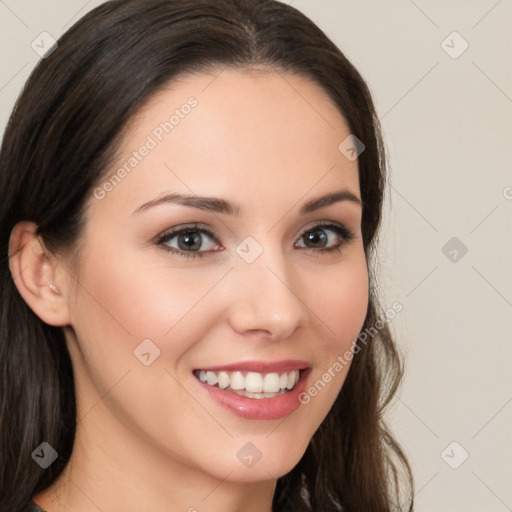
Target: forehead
{"x":250,"y":133}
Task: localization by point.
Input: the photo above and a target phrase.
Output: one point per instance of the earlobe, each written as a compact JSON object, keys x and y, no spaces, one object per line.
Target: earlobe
{"x":34,"y":271}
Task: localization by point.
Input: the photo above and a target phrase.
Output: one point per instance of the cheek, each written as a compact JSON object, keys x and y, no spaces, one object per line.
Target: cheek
{"x":122,"y":301}
{"x":119,"y":304}
{"x":342,"y":304}
{"x":341,"y":307}
{"x":122,"y":296}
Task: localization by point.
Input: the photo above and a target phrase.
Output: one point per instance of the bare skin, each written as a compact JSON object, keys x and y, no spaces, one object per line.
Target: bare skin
{"x":149,"y":437}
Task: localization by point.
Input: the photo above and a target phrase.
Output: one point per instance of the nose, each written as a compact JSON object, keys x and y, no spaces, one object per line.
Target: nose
{"x":267,"y":298}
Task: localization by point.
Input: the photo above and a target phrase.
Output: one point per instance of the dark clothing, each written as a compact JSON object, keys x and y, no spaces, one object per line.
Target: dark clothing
{"x":33,"y":507}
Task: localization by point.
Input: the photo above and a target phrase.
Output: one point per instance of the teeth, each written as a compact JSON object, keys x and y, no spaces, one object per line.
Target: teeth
{"x":253,"y":384}
{"x":271,"y":382}
{"x":223,"y":380}
{"x":211,"y":378}
{"x":237,"y":381}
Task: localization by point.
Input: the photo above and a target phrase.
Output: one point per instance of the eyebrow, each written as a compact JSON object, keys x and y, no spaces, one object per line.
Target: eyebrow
{"x":217,"y":205}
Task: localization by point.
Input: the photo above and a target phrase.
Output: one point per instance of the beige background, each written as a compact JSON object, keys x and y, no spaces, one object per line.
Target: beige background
{"x":447,"y":118}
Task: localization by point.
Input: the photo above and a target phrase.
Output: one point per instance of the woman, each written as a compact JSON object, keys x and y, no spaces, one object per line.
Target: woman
{"x":191,"y":196}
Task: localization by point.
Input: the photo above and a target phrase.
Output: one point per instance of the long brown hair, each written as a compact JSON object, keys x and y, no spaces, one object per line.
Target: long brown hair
{"x":60,"y":140}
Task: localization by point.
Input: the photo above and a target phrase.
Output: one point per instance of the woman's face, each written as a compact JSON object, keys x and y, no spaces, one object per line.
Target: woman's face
{"x":261,"y":283}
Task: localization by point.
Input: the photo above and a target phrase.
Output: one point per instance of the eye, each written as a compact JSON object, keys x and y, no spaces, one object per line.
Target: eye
{"x":321,"y":239}
{"x":188,"y":241}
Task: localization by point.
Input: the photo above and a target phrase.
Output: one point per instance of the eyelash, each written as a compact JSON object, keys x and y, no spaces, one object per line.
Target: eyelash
{"x":344,"y":233}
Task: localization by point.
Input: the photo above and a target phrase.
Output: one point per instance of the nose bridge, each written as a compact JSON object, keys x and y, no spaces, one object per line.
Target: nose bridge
{"x":267,"y":298}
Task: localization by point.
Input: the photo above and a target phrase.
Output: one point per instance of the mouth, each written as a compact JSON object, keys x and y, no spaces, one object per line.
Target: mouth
{"x":252,"y":384}
{"x":256,"y":390}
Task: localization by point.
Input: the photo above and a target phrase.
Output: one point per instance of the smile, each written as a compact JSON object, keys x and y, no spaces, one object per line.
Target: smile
{"x":251,"y":384}
{"x":256,"y":390}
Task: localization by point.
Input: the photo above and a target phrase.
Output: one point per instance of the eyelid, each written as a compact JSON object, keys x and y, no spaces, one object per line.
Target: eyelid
{"x":328,"y":224}
{"x":195,"y":226}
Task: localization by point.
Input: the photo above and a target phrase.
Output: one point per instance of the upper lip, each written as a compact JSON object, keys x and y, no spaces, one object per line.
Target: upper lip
{"x":283,"y":365}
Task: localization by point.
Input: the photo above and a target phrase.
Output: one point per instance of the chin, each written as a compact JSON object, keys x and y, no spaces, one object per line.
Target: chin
{"x":252,"y":464}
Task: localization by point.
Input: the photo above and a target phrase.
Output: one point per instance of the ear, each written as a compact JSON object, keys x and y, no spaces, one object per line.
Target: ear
{"x":38,"y":275}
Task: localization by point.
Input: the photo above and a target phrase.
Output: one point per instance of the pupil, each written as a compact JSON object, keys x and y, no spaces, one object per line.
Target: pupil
{"x":320,"y":236}
{"x":190,"y":241}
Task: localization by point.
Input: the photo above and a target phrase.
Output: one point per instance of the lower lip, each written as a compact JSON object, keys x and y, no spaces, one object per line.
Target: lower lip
{"x":259,"y":408}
